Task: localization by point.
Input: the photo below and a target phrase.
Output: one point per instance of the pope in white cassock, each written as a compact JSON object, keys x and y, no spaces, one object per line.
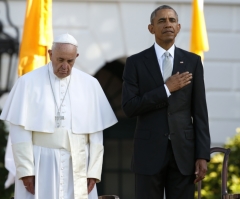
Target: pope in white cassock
{"x":57,"y":114}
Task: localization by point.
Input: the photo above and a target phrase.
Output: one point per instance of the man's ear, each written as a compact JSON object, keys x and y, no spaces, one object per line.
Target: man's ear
{"x":179,"y":27}
{"x":50,"y":54}
{"x":151,"y":29}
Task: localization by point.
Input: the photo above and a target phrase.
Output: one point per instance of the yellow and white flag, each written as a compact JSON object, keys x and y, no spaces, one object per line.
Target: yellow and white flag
{"x":199,"y":39}
{"x":37,"y":36}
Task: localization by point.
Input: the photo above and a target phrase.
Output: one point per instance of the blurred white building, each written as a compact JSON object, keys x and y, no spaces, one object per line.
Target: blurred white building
{"x":111,"y":30}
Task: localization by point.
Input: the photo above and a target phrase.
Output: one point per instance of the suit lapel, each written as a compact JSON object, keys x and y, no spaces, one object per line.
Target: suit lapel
{"x":179,"y":62}
{"x":152,"y":65}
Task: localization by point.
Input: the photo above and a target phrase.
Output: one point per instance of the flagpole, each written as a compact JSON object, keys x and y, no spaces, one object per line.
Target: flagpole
{"x":46,"y":54}
{"x":199,"y":39}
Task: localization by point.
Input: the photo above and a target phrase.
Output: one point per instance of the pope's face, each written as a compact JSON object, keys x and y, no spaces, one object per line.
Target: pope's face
{"x":165,"y":26}
{"x":63,"y":58}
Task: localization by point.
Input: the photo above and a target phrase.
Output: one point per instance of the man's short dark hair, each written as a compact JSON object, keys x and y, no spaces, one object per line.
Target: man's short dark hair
{"x":154,"y":13}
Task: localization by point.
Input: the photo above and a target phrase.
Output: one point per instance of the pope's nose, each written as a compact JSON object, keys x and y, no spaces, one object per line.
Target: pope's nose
{"x":64,"y":66}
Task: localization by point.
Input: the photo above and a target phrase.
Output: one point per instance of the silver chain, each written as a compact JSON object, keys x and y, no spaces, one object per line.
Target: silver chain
{"x":58,"y":109}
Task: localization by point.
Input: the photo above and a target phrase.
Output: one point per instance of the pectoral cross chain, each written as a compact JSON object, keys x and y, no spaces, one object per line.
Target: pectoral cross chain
{"x":58,"y":117}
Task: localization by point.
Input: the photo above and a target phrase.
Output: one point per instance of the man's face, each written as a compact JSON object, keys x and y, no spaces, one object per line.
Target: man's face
{"x":63,"y":58}
{"x":165,"y":26}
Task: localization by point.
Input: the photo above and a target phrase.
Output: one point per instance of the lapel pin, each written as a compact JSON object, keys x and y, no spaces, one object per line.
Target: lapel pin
{"x":181,"y":62}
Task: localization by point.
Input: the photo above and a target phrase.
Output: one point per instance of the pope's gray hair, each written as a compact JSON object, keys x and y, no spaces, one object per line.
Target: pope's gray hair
{"x":154,"y":13}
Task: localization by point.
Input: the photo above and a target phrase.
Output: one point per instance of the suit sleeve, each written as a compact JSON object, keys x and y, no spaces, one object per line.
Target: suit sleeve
{"x":200,"y":114}
{"x":133,"y":102}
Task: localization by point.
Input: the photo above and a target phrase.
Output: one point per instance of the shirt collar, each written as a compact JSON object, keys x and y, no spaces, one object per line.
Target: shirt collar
{"x":53,"y":76}
{"x":160,"y":51}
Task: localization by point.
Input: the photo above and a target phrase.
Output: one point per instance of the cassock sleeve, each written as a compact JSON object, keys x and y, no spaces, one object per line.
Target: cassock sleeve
{"x":96,"y":155}
{"x":22,"y":150}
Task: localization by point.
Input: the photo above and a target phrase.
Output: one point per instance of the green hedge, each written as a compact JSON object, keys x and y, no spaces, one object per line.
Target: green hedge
{"x":212,"y":182}
{"x":4,"y":193}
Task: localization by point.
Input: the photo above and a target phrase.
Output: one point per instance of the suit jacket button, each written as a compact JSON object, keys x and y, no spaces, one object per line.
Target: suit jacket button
{"x":169,"y":113}
{"x":166,"y":134}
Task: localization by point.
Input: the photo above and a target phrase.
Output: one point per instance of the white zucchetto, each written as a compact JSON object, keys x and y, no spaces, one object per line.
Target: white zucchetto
{"x":66,"y":39}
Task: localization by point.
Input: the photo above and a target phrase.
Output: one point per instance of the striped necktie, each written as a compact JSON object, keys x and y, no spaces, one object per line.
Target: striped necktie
{"x":167,"y":66}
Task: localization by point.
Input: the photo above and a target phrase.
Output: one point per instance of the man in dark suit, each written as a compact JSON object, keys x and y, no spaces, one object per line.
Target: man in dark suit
{"x":171,"y":141}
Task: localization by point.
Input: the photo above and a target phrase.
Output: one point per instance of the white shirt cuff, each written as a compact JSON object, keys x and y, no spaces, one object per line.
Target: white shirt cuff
{"x":167,"y":91}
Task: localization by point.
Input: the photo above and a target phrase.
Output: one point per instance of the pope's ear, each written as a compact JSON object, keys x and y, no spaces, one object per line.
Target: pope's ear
{"x":151,"y":29}
{"x":50,"y":54}
{"x":77,"y":55}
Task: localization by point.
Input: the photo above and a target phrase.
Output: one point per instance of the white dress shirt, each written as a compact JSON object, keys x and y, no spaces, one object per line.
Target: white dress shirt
{"x":160,"y":56}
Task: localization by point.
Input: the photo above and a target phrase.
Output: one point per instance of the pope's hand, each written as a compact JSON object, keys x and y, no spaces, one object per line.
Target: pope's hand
{"x":29,"y":183}
{"x":91,"y":182}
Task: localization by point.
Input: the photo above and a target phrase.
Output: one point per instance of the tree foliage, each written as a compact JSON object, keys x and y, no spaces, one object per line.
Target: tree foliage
{"x":4,"y":193}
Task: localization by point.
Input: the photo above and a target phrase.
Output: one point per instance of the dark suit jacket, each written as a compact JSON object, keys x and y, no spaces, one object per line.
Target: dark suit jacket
{"x":183,"y":115}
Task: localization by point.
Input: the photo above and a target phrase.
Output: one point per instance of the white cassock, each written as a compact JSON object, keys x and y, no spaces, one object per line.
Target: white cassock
{"x":60,"y":157}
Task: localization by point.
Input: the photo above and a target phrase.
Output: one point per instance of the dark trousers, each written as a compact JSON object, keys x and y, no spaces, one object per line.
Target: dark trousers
{"x":176,"y":185}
